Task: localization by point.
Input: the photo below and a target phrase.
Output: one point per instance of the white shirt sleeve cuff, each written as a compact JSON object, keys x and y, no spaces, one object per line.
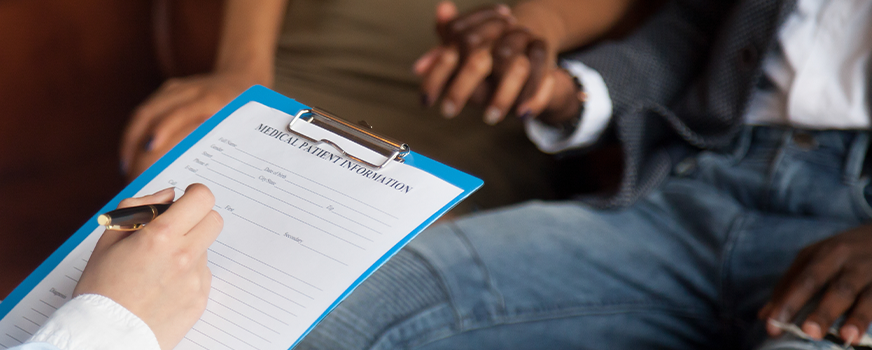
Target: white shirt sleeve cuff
{"x":35,"y":346}
{"x":95,"y":322}
{"x":594,"y":119}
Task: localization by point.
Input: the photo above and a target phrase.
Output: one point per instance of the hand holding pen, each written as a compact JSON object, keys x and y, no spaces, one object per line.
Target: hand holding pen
{"x":159,"y":272}
{"x":132,"y":218}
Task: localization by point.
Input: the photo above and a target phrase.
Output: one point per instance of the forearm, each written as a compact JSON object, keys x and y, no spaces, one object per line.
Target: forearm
{"x":248,"y":38}
{"x":568,"y":24}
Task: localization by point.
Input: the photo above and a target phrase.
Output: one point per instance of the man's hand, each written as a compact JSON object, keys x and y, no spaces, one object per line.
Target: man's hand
{"x":487,"y":57}
{"x":841,"y":268}
{"x":159,"y":273}
{"x":178,"y":107}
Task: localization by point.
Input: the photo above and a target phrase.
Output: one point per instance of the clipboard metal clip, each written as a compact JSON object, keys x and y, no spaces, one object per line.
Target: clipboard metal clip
{"x":391,"y":149}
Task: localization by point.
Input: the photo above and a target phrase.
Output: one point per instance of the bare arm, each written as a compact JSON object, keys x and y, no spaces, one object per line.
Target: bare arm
{"x":568,"y":24}
{"x":248,"y":38}
{"x":245,"y":57}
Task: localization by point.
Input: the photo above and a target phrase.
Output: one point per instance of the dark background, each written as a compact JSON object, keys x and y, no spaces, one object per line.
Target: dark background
{"x":71,"y":72}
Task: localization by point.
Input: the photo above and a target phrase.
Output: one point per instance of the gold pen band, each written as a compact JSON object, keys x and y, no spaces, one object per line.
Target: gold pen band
{"x":132,"y":218}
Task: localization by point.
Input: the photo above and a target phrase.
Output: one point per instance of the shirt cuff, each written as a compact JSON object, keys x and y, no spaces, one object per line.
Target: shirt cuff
{"x":35,"y":346}
{"x":95,"y":322}
{"x":594,"y":119}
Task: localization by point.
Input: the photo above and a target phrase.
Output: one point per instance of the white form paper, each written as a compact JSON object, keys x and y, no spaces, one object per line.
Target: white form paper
{"x":302,"y":224}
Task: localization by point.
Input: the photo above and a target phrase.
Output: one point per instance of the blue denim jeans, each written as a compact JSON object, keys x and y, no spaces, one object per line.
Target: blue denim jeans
{"x":687,"y":267}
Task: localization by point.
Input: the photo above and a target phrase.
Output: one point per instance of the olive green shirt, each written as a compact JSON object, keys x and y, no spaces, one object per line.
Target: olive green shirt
{"x":354,"y":58}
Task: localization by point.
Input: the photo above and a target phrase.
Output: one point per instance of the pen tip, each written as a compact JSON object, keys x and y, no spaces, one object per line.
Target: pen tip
{"x":104,"y":220}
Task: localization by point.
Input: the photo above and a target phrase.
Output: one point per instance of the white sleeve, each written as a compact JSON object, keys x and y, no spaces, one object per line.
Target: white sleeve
{"x":35,"y":346}
{"x":594,"y":119}
{"x":93,"y":322}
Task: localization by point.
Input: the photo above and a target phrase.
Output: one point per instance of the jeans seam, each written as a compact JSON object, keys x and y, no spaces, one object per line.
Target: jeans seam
{"x":744,"y":145}
{"x":858,"y":192}
{"x":591,"y":308}
{"x":769,"y":189}
{"x":577,"y":314}
{"x":379,"y":341}
{"x":425,"y":337}
{"x":732,"y":236}
{"x":443,"y":285}
{"x":487,"y":275}
{"x":856,"y":155}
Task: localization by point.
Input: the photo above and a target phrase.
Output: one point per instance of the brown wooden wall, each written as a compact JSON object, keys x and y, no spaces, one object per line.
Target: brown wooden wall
{"x":70,"y":73}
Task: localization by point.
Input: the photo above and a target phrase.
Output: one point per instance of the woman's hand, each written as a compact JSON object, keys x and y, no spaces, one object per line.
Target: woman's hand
{"x":178,"y":107}
{"x":159,"y":273}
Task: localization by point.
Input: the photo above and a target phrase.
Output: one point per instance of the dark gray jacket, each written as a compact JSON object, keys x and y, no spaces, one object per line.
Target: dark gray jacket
{"x":684,"y":77}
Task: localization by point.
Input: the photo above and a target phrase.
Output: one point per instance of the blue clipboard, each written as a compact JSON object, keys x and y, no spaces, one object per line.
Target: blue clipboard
{"x":467,"y":183}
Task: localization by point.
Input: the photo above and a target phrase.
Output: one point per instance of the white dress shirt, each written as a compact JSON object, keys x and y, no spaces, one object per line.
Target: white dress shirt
{"x":819,"y":71}
{"x":92,"y":322}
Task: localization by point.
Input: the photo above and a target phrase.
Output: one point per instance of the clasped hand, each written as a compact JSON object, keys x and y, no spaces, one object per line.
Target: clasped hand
{"x":841,"y":269}
{"x":488,"y":57}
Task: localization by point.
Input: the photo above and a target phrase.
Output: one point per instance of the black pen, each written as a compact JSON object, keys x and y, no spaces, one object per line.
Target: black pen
{"x":132,"y":218}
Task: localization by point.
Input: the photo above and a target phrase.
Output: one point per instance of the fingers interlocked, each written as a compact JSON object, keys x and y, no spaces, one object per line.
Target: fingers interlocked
{"x":486,"y":58}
